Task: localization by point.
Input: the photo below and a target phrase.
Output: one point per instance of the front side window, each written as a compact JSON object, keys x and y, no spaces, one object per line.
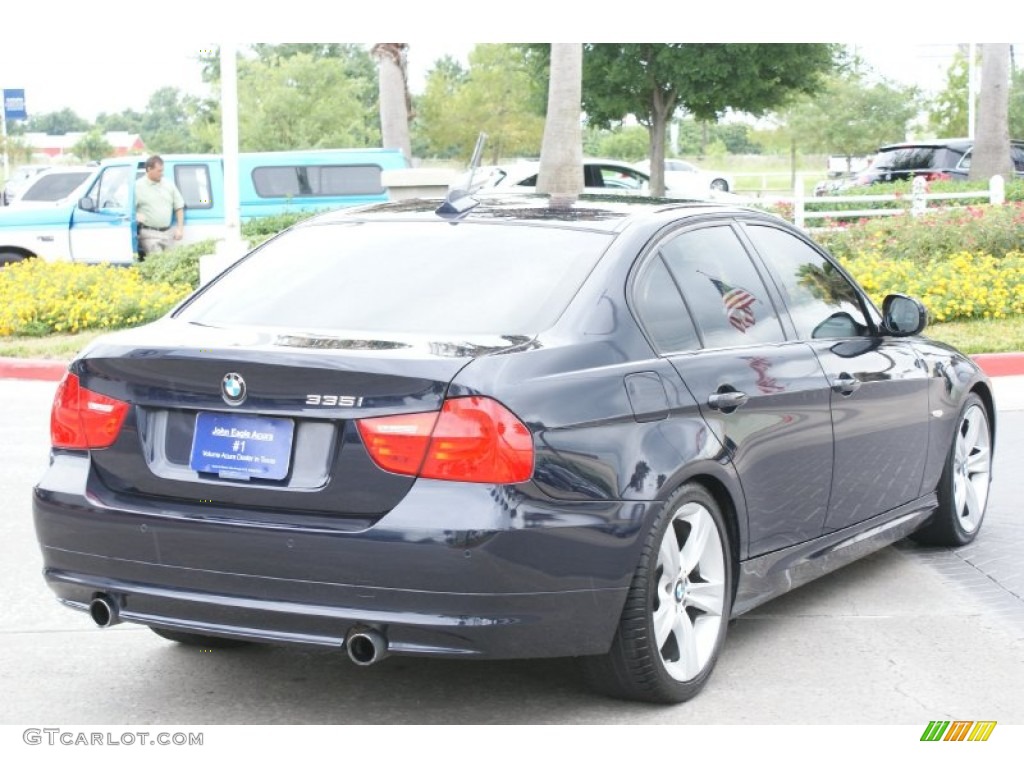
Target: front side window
{"x":725,"y":293}
{"x":111,"y":190}
{"x":822,"y":302}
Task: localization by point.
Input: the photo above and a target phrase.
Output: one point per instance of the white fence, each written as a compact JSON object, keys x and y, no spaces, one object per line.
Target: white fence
{"x":829,"y":208}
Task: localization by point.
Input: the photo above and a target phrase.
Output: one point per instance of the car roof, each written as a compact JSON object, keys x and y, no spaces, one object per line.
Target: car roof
{"x":611,"y":213}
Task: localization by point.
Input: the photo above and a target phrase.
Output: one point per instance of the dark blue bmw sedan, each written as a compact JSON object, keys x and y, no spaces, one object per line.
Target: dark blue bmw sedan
{"x":505,"y":429}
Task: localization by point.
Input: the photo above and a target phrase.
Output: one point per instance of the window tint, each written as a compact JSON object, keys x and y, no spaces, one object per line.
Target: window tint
{"x":722,"y":288}
{"x":193,"y":181}
{"x":55,"y":186}
{"x":317,"y":180}
{"x":409,"y":277}
{"x":821,"y":301}
{"x":662,"y":312}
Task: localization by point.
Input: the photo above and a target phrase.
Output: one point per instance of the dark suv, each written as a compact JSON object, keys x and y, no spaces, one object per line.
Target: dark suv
{"x":936,"y":160}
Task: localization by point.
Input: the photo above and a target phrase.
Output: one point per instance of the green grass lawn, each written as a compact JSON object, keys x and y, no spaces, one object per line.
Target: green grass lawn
{"x":972,"y":337}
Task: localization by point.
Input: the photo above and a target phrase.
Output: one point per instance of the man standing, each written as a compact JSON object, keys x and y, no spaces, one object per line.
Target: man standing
{"x":158,"y":204}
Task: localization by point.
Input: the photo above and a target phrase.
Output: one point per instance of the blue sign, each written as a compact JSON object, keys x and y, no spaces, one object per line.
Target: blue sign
{"x":242,"y":447}
{"x":14,"y":104}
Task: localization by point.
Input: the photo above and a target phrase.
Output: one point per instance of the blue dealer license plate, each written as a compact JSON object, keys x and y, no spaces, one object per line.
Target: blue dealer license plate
{"x":242,"y":447}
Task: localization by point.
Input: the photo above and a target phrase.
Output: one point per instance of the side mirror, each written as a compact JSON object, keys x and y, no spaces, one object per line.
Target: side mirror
{"x":87,"y":204}
{"x":903,"y":315}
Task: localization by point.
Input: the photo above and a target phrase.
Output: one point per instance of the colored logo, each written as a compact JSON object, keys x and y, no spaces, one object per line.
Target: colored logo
{"x":232,"y":388}
{"x":958,"y":730}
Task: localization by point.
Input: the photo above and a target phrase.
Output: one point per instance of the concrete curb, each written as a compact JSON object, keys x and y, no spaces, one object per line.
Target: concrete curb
{"x":995,"y":364}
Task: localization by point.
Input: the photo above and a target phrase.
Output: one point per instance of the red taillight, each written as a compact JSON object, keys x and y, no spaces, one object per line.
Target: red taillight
{"x":81,"y":418}
{"x":472,"y":439}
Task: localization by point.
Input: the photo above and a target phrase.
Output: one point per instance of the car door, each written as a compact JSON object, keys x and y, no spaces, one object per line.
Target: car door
{"x":879,"y":386}
{"x":103,"y":230}
{"x":763,"y":395}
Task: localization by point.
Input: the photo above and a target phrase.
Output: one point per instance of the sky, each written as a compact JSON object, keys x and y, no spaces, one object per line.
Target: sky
{"x":96,"y":62}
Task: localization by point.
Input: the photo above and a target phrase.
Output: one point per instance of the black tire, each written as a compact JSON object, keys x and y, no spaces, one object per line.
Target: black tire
{"x":10,"y":257}
{"x":692,"y":605}
{"x":199,"y":641}
{"x":964,"y":484}
{"x":719,"y":185}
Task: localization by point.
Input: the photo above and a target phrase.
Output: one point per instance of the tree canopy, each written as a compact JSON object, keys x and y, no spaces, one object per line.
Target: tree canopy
{"x":653,"y":80}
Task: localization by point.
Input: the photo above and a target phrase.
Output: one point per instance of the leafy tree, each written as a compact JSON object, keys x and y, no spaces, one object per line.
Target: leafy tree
{"x":127,"y":120}
{"x":853,"y":115}
{"x":167,"y":121}
{"x":443,"y":80}
{"x":652,"y":81}
{"x":302,"y":102}
{"x":56,"y":123}
{"x":92,"y":146}
{"x":497,"y":96}
{"x":947,"y":112}
{"x":629,"y":143}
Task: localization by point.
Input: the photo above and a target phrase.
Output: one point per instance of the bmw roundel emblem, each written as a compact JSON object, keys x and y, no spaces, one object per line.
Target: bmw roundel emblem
{"x":232,"y":387}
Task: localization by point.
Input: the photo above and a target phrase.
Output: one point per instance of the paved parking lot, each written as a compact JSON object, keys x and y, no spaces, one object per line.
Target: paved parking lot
{"x":905,"y":636}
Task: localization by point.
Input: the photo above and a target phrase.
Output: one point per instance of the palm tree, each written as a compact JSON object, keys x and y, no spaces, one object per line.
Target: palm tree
{"x":561,"y":151}
{"x":991,"y":154}
{"x":395,"y":105}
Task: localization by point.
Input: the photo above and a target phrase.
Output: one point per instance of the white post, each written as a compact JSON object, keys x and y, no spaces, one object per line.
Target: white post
{"x":798,"y":203}
{"x":972,"y":88}
{"x":997,"y":190}
{"x":918,"y":189}
{"x":231,"y":248}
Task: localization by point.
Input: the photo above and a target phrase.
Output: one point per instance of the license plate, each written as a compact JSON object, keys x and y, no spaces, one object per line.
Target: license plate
{"x":242,"y":447}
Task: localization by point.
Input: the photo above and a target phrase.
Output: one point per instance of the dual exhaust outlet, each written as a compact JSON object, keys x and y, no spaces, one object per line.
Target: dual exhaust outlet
{"x":365,"y":646}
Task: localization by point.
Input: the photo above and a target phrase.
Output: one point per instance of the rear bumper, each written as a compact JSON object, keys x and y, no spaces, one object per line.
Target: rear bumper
{"x":454,"y":570}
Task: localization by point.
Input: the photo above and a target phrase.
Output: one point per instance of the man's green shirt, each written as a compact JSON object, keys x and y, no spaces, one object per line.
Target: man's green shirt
{"x":157,"y":202}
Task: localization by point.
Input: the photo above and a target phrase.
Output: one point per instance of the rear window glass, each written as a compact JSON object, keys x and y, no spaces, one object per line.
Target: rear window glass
{"x":916,"y":158}
{"x":409,"y":277}
{"x":317,"y":180}
{"x":55,"y":186}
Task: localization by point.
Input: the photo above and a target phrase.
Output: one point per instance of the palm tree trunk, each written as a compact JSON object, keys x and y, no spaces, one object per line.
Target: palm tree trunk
{"x":561,"y":151}
{"x":394,"y":96}
{"x":991,"y":154}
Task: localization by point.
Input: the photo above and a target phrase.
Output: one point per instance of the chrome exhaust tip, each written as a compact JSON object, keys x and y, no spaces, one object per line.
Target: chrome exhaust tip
{"x":366,"y":646}
{"x":103,"y":610}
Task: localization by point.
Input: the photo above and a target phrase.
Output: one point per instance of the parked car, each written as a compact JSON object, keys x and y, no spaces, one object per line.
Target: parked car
{"x":685,"y":178}
{"x":53,"y":186}
{"x":20,"y":176}
{"x":936,"y":160}
{"x":507,"y":429}
{"x":599,"y":177}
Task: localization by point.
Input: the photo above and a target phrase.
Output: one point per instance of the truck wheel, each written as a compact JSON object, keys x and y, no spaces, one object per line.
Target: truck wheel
{"x":10,"y":257}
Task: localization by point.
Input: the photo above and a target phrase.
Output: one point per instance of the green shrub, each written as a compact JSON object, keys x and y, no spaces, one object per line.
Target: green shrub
{"x":38,"y":298}
{"x":177,"y":266}
{"x":255,"y":231}
{"x":994,"y":230}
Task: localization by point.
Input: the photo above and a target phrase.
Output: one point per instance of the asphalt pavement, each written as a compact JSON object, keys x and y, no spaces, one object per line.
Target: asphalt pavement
{"x":907,"y":635}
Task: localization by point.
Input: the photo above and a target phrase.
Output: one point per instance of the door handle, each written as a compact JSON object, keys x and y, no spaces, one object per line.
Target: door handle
{"x":845,"y":384}
{"x":727,"y":402}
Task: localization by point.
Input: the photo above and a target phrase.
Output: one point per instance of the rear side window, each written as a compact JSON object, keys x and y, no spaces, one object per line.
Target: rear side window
{"x":917,"y":158}
{"x":662,"y":312}
{"x":405,"y":277}
{"x":193,"y":181}
{"x":317,"y":180}
{"x":55,"y":186}
{"x":723,"y":290}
